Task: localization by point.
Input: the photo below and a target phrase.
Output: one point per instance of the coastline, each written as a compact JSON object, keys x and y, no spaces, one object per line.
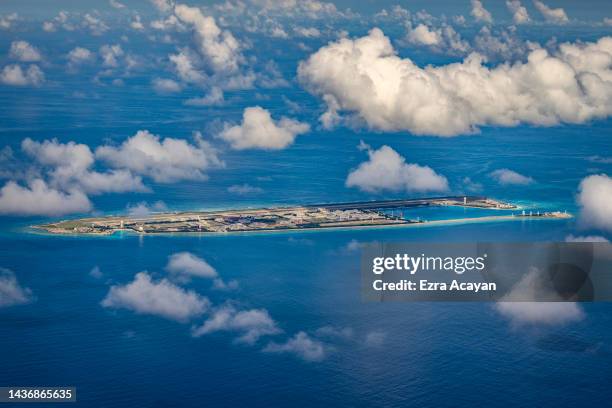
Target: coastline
{"x":435,"y":223}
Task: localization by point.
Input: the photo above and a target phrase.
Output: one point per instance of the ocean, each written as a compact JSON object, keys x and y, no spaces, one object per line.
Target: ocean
{"x":373,"y":354}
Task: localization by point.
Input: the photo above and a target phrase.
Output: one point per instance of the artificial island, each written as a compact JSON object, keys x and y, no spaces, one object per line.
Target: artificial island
{"x":316,"y":216}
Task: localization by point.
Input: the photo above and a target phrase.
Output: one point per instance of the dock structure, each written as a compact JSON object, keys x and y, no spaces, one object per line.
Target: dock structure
{"x":311,"y":216}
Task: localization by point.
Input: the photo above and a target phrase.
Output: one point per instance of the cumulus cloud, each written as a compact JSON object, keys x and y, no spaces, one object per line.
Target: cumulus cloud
{"x":509,"y":177}
{"x":251,"y":324}
{"x":219,"y":47}
{"x":212,"y":98}
{"x":116,"y":4}
{"x":11,"y":293}
{"x":24,"y":51}
{"x":366,"y":77}
{"x":595,"y":201}
{"x":69,"y":168}
{"x":443,"y":38}
{"x":143,"y":209}
{"x":164,"y":160}
{"x":308,"y":32}
{"x":422,"y":34}
{"x":519,"y":12}
{"x":163,"y":85}
{"x":110,"y":55}
{"x":302,"y":345}
{"x":94,"y":24}
{"x":259,"y":131}
{"x":387,"y":170}
{"x":480,"y":13}
{"x":186,"y":66}
{"x":501,"y":44}
{"x":540,"y":313}
{"x":14,"y":75}
{"x":39,"y":199}
{"x":160,"y":298}
{"x":7,"y":21}
{"x":136,"y":23}
{"x":556,"y":16}
{"x":80,"y":55}
{"x":163,"y":5}
{"x":187,"y":264}
{"x":536,"y":313}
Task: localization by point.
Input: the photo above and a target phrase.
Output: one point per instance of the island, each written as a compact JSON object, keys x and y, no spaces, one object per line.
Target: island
{"x":315,"y":216}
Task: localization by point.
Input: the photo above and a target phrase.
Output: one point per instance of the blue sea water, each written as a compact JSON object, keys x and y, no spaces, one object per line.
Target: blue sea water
{"x":427,"y":354}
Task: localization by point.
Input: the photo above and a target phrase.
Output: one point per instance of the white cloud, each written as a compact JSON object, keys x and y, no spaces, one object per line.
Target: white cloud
{"x":159,"y":298}
{"x":540,"y":313}
{"x":443,"y":38}
{"x":70,"y":168}
{"x":80,"y":55}
{"x":168,"y":23}
{"x":212,"y":98}
{"x":39,"y":199}
{"x":551,"y":15}
{"x":314,"y":9}
{"x":16,"y":76}
{"x":519,"y":12}
{"x":24,"y":51}
{"x":186,"y":66}
{"x":259,"y":131}
{"x":219,"y":47}
{"x":308,"y":32}
{"x":7,"y":21}
{"x":244,"y":189}
{"x":480,"y":13}
{"x":94,"y":24}
{"x":301,"y":345}
{"x":508,"y":177}
{"x":595,"y":200}
{"x":110,"y":55}
{"x":520,"y":307}
{"x":422,"y":34}
{"x":163,"y":5}
{"x":186,"y":264}
{"x":116,"y":4}
{"x":165,"y":160}
{"x":48,"y":26}
{"x":142,"y":209}
{"x":503,"y":44}
{"x":387,"y":170}
{"x":61,"y":21}
{"x":163,"y":85}
{"x":251,"y":324}
{"x":11,"y":293}
{"x":366,"y":77}
{"x":587,"y":238}
{"x":136,"y":23}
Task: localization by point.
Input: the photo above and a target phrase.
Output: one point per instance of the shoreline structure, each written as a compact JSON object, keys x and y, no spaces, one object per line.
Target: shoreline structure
{"x":316,"y":216}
